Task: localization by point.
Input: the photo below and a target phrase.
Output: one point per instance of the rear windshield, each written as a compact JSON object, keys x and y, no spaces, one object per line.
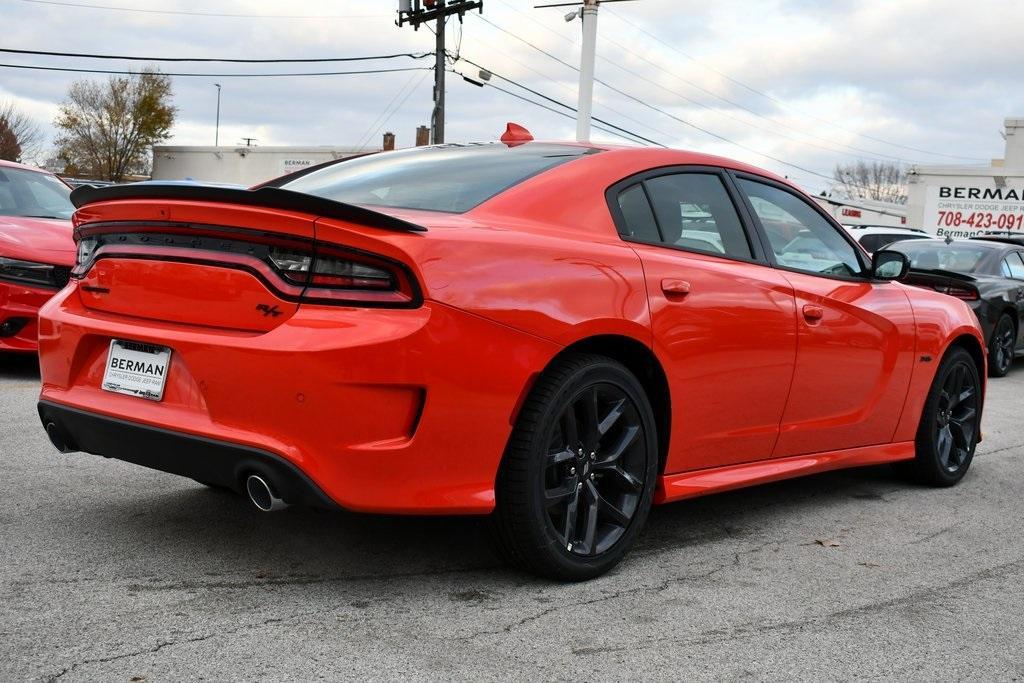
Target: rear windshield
{"x":30,"y":193}
{"x":452,"y":178}
{"x":877,"y":241}
{"x":957,"y":257}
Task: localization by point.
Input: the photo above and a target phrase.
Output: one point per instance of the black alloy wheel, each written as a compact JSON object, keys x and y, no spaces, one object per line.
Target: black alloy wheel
{"x":1002,"y":347}
{"x":578,"y":476}
{"x":595,"y":469}
{"x":950,"y":423}
{"x":956,"y":418}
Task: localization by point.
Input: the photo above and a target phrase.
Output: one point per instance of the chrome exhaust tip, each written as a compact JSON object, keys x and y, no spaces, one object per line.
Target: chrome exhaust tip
{"x":261,"y":495}
{"x":59,"y":438}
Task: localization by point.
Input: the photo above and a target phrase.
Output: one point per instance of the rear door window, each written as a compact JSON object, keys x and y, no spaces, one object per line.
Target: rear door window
{"x":637,"y":214}
{"x":1015,"y":265}
{"x":691,"y":211}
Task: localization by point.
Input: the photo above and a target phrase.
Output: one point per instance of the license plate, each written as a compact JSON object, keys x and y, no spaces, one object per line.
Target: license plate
{"x":137,"y":369}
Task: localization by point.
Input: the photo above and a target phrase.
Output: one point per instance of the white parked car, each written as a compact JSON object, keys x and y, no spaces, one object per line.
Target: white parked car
{"x":874,"y":237}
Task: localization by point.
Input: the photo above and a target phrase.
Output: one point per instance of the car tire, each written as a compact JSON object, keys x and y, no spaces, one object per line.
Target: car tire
{"x":950,"y":423}
{"x":578,"y":476}
{"x":1001,"y":346}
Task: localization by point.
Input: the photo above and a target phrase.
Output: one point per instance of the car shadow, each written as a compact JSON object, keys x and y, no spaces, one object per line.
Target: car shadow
{"x":214,"y":538}
{"x":19,"y":365}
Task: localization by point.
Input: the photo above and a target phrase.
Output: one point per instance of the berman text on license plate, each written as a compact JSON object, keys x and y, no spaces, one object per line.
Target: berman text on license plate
{"x":137,"y":369}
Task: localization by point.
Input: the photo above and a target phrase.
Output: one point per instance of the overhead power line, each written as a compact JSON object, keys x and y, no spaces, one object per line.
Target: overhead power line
{"x":648,"y":105}
{"x":556,"y":111}
{"x":702,"y":105}
{"x":232,"y":60}
{"x":572,"y":91}
{"x":212,"y":75}
{"x":780,"y":102}
{"x":230,"y":15}
{"x":562,"y":104}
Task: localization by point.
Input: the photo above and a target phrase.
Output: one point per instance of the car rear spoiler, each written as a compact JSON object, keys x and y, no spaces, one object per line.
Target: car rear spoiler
{"x":269,"y":197}
{"x":939,"y":272}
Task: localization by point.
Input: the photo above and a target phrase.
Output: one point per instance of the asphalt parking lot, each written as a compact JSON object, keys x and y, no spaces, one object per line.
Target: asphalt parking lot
{"x":113,"y":572}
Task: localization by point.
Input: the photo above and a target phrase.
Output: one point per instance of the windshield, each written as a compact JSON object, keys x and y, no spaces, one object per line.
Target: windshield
{"x":30,"y":193}
{"x":957,"y":257}
{"x":453,"y":178}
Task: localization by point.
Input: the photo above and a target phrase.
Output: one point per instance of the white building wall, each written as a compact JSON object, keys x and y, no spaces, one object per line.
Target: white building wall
{"x":864,"y":212}
{"x":240,"y":165}
{"x":963,"y":200}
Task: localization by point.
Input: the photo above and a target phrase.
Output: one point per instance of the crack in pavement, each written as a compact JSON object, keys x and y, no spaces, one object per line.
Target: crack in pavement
{"x":930,"y":536}
{"x":303,"y":580}
{"x":734,"y":562}
{"x":1000,"y":450}
{"x":718,"y":636}
{"x":167,"y":643}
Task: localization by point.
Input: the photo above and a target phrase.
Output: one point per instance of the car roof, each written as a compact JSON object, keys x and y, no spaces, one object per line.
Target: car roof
{"x":984,"y":244}
{"x":881,"y":229}
{"x":1013,"y":240}
{"x":25,"y":167}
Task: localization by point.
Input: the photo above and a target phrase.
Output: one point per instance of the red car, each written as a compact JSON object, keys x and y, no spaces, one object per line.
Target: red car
{"x":558,"y":334}
{"x":37,"y":251}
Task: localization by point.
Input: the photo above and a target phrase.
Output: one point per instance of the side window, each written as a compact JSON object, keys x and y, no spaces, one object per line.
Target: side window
{"x":694,"y":212}
{"x":637,"y":213}
{"x":1016,"y":265}
{"x":800,"y":237}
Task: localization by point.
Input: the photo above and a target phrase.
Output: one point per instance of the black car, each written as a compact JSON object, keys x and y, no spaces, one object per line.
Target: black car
{"x":1016,"y":238}
{"x":986,"y":273}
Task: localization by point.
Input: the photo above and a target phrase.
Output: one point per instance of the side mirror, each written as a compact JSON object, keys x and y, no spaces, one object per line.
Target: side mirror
{"x":889,"y":265}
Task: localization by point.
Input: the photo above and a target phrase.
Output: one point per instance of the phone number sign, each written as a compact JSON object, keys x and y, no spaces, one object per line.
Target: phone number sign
{"x":963,"y":210}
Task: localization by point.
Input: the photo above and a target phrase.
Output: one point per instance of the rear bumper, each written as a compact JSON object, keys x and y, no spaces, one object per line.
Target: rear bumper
{"x":19,"y":308}
{"x":384,"y":410}
{"x":202,"y":459}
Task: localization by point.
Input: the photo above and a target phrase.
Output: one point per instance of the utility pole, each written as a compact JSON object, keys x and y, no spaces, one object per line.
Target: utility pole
{"x":416,"y":12}
{"x":586,"y":94}
{"x":437,"y":119}
{"x":216,"y":130}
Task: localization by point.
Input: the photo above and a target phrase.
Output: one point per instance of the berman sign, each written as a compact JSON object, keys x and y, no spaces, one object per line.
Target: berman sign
{"x":964,"y":209}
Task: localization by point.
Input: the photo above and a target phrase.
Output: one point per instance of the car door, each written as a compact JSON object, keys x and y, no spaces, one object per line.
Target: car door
{"x":856,"y":338}
{"x":723,"y":320}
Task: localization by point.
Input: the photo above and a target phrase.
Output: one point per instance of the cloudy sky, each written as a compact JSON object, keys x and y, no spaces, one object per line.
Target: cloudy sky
{"x":794,"y":86}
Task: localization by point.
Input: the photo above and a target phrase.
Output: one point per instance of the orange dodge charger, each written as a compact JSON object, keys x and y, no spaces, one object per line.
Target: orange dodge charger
{"x":555,"y":334}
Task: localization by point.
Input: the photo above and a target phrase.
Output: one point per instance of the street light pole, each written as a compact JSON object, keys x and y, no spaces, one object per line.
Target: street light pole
{"x":586,"y":94}
{"x":216,"y":130}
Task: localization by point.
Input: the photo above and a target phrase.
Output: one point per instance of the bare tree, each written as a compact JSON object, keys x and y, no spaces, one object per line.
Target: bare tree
{"x":107,"y":129}
{"x":881,"y":180}
{"x":23,"y":135}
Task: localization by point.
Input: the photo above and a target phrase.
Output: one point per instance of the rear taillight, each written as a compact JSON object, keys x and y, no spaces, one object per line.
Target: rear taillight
{"x":966,"y":293}
{"x":335,"y":274}
{"x":297,"y":269}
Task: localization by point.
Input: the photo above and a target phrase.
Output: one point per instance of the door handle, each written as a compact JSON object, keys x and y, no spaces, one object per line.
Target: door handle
{"x":813,"y":313}
{"x":675,"y":289}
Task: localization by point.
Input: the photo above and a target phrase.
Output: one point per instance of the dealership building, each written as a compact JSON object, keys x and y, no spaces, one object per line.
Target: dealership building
{"x":864,"y":211}
{"x":241,"y":165}
{"x":962,"y":200}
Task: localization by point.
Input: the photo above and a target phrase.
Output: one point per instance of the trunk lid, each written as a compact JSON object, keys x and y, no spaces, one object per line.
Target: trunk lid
{"x":195,"y":263}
